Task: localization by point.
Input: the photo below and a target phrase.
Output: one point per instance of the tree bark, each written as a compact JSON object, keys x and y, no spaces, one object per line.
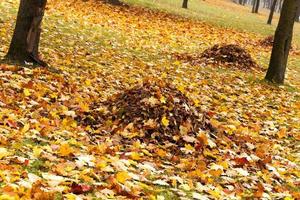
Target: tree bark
{"x":298,"y":13}
{"x":25,"y":41}
{"x":185,"y":4}
{"x":282,"y":42}
{"x":257,"y":6}
{"x":253,"y":6}
{"x":114,"y":2}
{"x":272,"y":12}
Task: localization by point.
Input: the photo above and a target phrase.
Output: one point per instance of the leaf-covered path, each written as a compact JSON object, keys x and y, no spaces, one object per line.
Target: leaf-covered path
{"x":46,"y":152}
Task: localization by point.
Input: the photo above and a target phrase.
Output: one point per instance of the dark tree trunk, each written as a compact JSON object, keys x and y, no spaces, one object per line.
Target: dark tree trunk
{"x":185,"y":4}
{"x":272,"y":12}
{"x":282,"y":42}
{"x":114,"y":2}
{"x":25,"y":41}
{"x":253,"y":6}
{"x":257,"y":6}
{"x":298,"y":13}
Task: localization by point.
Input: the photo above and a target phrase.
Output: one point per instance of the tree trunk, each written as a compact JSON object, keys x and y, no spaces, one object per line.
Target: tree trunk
{"x":114,"y":2}
{"x":282,"y":42}
{"x":25,"y":41}
{"x":298,"y":13}
{"x":280,"y":6}
{"x":253,"y":6}
{"x":272,"y":11}
{"x":257,"y":6}
{"x":185,"y":4}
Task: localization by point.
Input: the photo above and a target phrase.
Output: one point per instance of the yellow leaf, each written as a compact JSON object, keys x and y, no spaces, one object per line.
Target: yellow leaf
{"x":37,"y":151}
{"x":165,"y":121}
{"x":3,"y":152}
{"x":215,"y":123}
{"x":88,"y":82}
{"x":189,"y":147}
{"x":161,"y":153}
{"x":122,"y":177}
{"x":215,"y":194}
{"x":65,"y":150}
{"x":177,"y":63}
{"x":70,"y":196}
{"x":181,"y":88}
{"x":7,"y":197}
{"x":26,"y":92}
{"x":281,"y":133}
{"x":135,"y":156}
{"x":25,"y":128}
{"x":101,"y":164}
{"x":163,"y":99}
{"x":216,"y":173}
{"x":224,"y":164}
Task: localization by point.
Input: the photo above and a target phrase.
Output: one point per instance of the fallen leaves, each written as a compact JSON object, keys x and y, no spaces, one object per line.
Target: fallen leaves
{"x":52,"y":144}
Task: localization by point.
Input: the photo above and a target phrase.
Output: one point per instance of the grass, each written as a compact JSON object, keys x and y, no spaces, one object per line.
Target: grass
{"x":222,"y":13}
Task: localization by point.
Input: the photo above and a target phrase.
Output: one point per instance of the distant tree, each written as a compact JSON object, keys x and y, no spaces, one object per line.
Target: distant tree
{"x":242,"y":2}
{"x":254,"y":6}
{"x":282,"y":42}
{"x":24,"y":45}
{"x":114,"y":2}
{"x":257,"y":6}
{"x":273,"y":6}
{"x":185,"y":4}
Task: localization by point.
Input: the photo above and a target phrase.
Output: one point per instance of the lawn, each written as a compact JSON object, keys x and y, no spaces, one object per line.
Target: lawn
{"x":222,"y":13}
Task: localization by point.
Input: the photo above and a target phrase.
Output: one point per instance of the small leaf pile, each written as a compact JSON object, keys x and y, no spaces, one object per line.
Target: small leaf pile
{"x":155,"y":111}
{"x":232,"y":56}
{"x":267,"y":42}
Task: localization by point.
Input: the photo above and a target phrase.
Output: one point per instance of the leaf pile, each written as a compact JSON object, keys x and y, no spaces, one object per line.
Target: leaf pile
{"x":232,"y":55}
{"x":156,"y":111}
{"x":267,"y":41}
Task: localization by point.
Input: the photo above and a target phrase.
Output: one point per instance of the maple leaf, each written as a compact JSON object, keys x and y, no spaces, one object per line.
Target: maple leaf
{"x":80,"y":188}
{"x":122,"y":177}
{"x":3,"y":152}
{"x":65,"y":150}
{"x":165,"y":121}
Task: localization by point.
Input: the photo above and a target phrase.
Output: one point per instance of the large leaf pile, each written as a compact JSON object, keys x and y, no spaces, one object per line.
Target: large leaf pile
{"x":152,"y":111}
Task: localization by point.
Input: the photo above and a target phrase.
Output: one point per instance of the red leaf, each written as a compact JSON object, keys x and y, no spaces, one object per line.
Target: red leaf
{"x":241,"y":161}
{"x":80,"y":188}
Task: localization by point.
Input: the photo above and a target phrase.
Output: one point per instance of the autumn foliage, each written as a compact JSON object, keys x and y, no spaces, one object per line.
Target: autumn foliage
{"x":121,"y":117}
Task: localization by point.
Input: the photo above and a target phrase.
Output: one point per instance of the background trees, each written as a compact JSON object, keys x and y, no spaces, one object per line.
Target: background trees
{"x":272,"y":9}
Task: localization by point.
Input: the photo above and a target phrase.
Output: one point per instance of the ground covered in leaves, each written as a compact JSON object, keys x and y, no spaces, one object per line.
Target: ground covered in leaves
{"x":119,"y":117}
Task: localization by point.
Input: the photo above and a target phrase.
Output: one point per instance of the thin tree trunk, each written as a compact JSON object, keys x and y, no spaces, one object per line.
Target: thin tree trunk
{"x":253,"y":6}
{"x":114,"y":2}
{"x":272,"y":12}
{"x":185,"y":4}
{"x":257,"y":6}
{"x":25,"y":41}
{"x":282,"y":42}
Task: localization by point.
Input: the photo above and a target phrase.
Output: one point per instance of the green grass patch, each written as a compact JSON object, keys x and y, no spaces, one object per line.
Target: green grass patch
{"x":240,"y":18}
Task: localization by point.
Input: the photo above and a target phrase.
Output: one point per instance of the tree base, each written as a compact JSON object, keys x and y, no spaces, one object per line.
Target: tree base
{"x":22,"y":59}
